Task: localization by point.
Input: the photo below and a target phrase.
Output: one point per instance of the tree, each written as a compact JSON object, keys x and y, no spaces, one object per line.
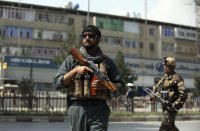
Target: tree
{"x":197,"y":84}
{"x":127,"y":75}
{"x":66,"y":46}
{"x":26,"y":87}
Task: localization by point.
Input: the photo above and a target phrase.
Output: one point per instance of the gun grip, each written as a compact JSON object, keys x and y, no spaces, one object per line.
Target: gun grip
{"x":92,"y":90}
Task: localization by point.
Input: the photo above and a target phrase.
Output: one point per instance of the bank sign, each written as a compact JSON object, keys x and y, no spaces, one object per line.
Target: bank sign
{"x":29,"y":62}
{"x":154,"y":67}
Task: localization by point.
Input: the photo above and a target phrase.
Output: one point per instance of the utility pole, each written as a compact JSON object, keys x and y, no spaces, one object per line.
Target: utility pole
{"x":88,"y":12}
{"x":145,"y":10}
{"x":197,"y":13}
{"x":145,"y":27}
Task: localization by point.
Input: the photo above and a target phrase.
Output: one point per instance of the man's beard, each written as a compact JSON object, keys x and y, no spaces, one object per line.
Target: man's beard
{"x":90,"y":46}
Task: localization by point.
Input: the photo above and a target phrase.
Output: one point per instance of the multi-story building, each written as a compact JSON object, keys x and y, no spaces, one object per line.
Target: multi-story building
{"x":32,"y":34}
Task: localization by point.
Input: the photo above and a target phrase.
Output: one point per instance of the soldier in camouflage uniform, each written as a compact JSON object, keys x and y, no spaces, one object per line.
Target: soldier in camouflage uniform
{"x":88,"y":110}
{"x":171,"y":88}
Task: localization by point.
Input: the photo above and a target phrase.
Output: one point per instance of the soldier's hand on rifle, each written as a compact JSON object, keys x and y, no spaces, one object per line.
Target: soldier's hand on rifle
{"x":173,"y":106}
{"x":83,"y":70}
{"x":97,"y":85}
{"x":152,"y":98}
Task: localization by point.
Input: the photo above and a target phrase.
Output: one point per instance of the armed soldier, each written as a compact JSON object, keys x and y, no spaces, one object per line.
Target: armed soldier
{"x":170,"y":88}
{"x":88,"y":110}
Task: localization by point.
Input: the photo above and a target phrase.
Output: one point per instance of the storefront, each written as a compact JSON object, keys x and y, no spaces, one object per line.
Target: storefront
{"x":43,"y":70}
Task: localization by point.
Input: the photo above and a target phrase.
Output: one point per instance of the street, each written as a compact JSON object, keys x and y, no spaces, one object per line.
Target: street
{"x":114,"y":126}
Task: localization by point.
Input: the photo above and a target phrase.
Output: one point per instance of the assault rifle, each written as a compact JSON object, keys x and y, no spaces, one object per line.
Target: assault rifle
{"x":97,"y":74}
{"x":161,"y":100}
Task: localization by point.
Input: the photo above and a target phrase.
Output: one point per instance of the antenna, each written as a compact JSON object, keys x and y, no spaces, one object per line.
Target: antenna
{"x":88,"y":12}
{"x":145,"y":5}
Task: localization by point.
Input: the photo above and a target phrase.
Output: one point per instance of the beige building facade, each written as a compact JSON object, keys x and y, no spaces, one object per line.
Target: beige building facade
{"x":31,"y":35}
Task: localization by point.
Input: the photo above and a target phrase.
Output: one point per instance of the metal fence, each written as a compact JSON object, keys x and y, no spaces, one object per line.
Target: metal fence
{"x":55,"y":102}
{"x":143,"y":104}
{"x":39,"y":102}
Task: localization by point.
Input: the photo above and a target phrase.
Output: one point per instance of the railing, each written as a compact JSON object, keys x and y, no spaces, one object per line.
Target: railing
{"x":55,"y":102}
{"x":40,"y":102}
{"x":143,"y":104}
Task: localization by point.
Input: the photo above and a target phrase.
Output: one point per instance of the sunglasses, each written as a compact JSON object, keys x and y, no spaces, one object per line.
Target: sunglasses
{"x":89,"y":35}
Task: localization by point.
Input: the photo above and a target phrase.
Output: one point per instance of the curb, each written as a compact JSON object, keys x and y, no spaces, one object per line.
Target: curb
{"x":33,"y":119}
{"x":65,"y":119}
{"x":131,"y":119}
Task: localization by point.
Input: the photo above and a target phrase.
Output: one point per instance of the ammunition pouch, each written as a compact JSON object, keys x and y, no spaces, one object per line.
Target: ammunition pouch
{"x":81,"y":86}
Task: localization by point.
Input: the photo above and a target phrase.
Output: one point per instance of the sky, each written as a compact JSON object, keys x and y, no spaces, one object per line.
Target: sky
{"x":171,"y":11}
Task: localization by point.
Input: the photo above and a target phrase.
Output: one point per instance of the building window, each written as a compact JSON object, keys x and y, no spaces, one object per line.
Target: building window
{"x":70,"y":21}
{"x":152,"y":32}
{"x":39,"y":35}
{"x":141,"y":45}
{"x":134,"y":44}
{"x":131,"y":43}
{"x":21,"y":33}
{"x":1,"y":12}
{"x":181,"y":33}
{"x":84,"y":24}
{"x":7,"y":50}
{"x":23,"y":52}
{"x":167,"y":31}
{"x":127,"y":44}
{"x":141,"y":31}
{"x":151,"y":47}
{"x":199,"y":51}
{"x":3,"y":32}
{"x":169,"y":47}
{"x":45,"y":51}
{"x":117,"y":42}
{"x":100,"y":25}
{"x":51,"y":52}
{"x":27,"y":34}
{"x":11,"y":33}
{"x":105,"y":40}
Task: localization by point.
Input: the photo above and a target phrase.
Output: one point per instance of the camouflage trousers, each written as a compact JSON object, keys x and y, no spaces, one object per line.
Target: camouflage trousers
{"x":168,"y":121}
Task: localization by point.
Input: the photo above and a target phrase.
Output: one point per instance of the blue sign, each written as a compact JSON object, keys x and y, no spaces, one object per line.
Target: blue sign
{"x":29,"y":62}
{"x":159,"y":67}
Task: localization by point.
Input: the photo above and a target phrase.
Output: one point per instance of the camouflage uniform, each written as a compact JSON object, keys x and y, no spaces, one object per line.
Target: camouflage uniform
{"x":171,"y":88}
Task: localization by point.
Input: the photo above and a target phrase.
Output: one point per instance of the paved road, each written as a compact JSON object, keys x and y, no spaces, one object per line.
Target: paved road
{"x":61,"y":126}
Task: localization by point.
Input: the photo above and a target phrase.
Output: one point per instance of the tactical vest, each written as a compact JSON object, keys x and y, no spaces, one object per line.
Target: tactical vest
{"x":167,"y":87}
{"x":81,"y":85}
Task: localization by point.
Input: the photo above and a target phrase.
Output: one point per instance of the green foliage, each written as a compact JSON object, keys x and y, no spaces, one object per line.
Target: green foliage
{"x":197,"y":80}
{"x":196,"y":92}
{"x":66,"y":46}
{"x":125,"y":72}
{"x":26,"y":87}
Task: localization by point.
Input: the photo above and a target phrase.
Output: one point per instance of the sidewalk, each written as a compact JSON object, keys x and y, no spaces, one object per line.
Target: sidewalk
{"x":65,"y":119}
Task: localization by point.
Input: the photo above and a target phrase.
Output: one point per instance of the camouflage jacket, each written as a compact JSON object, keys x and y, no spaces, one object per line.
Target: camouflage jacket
{"x":172,"y":89}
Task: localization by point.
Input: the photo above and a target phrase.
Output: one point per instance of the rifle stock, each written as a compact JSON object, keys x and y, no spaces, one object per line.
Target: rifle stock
{"x":77,"y":55}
